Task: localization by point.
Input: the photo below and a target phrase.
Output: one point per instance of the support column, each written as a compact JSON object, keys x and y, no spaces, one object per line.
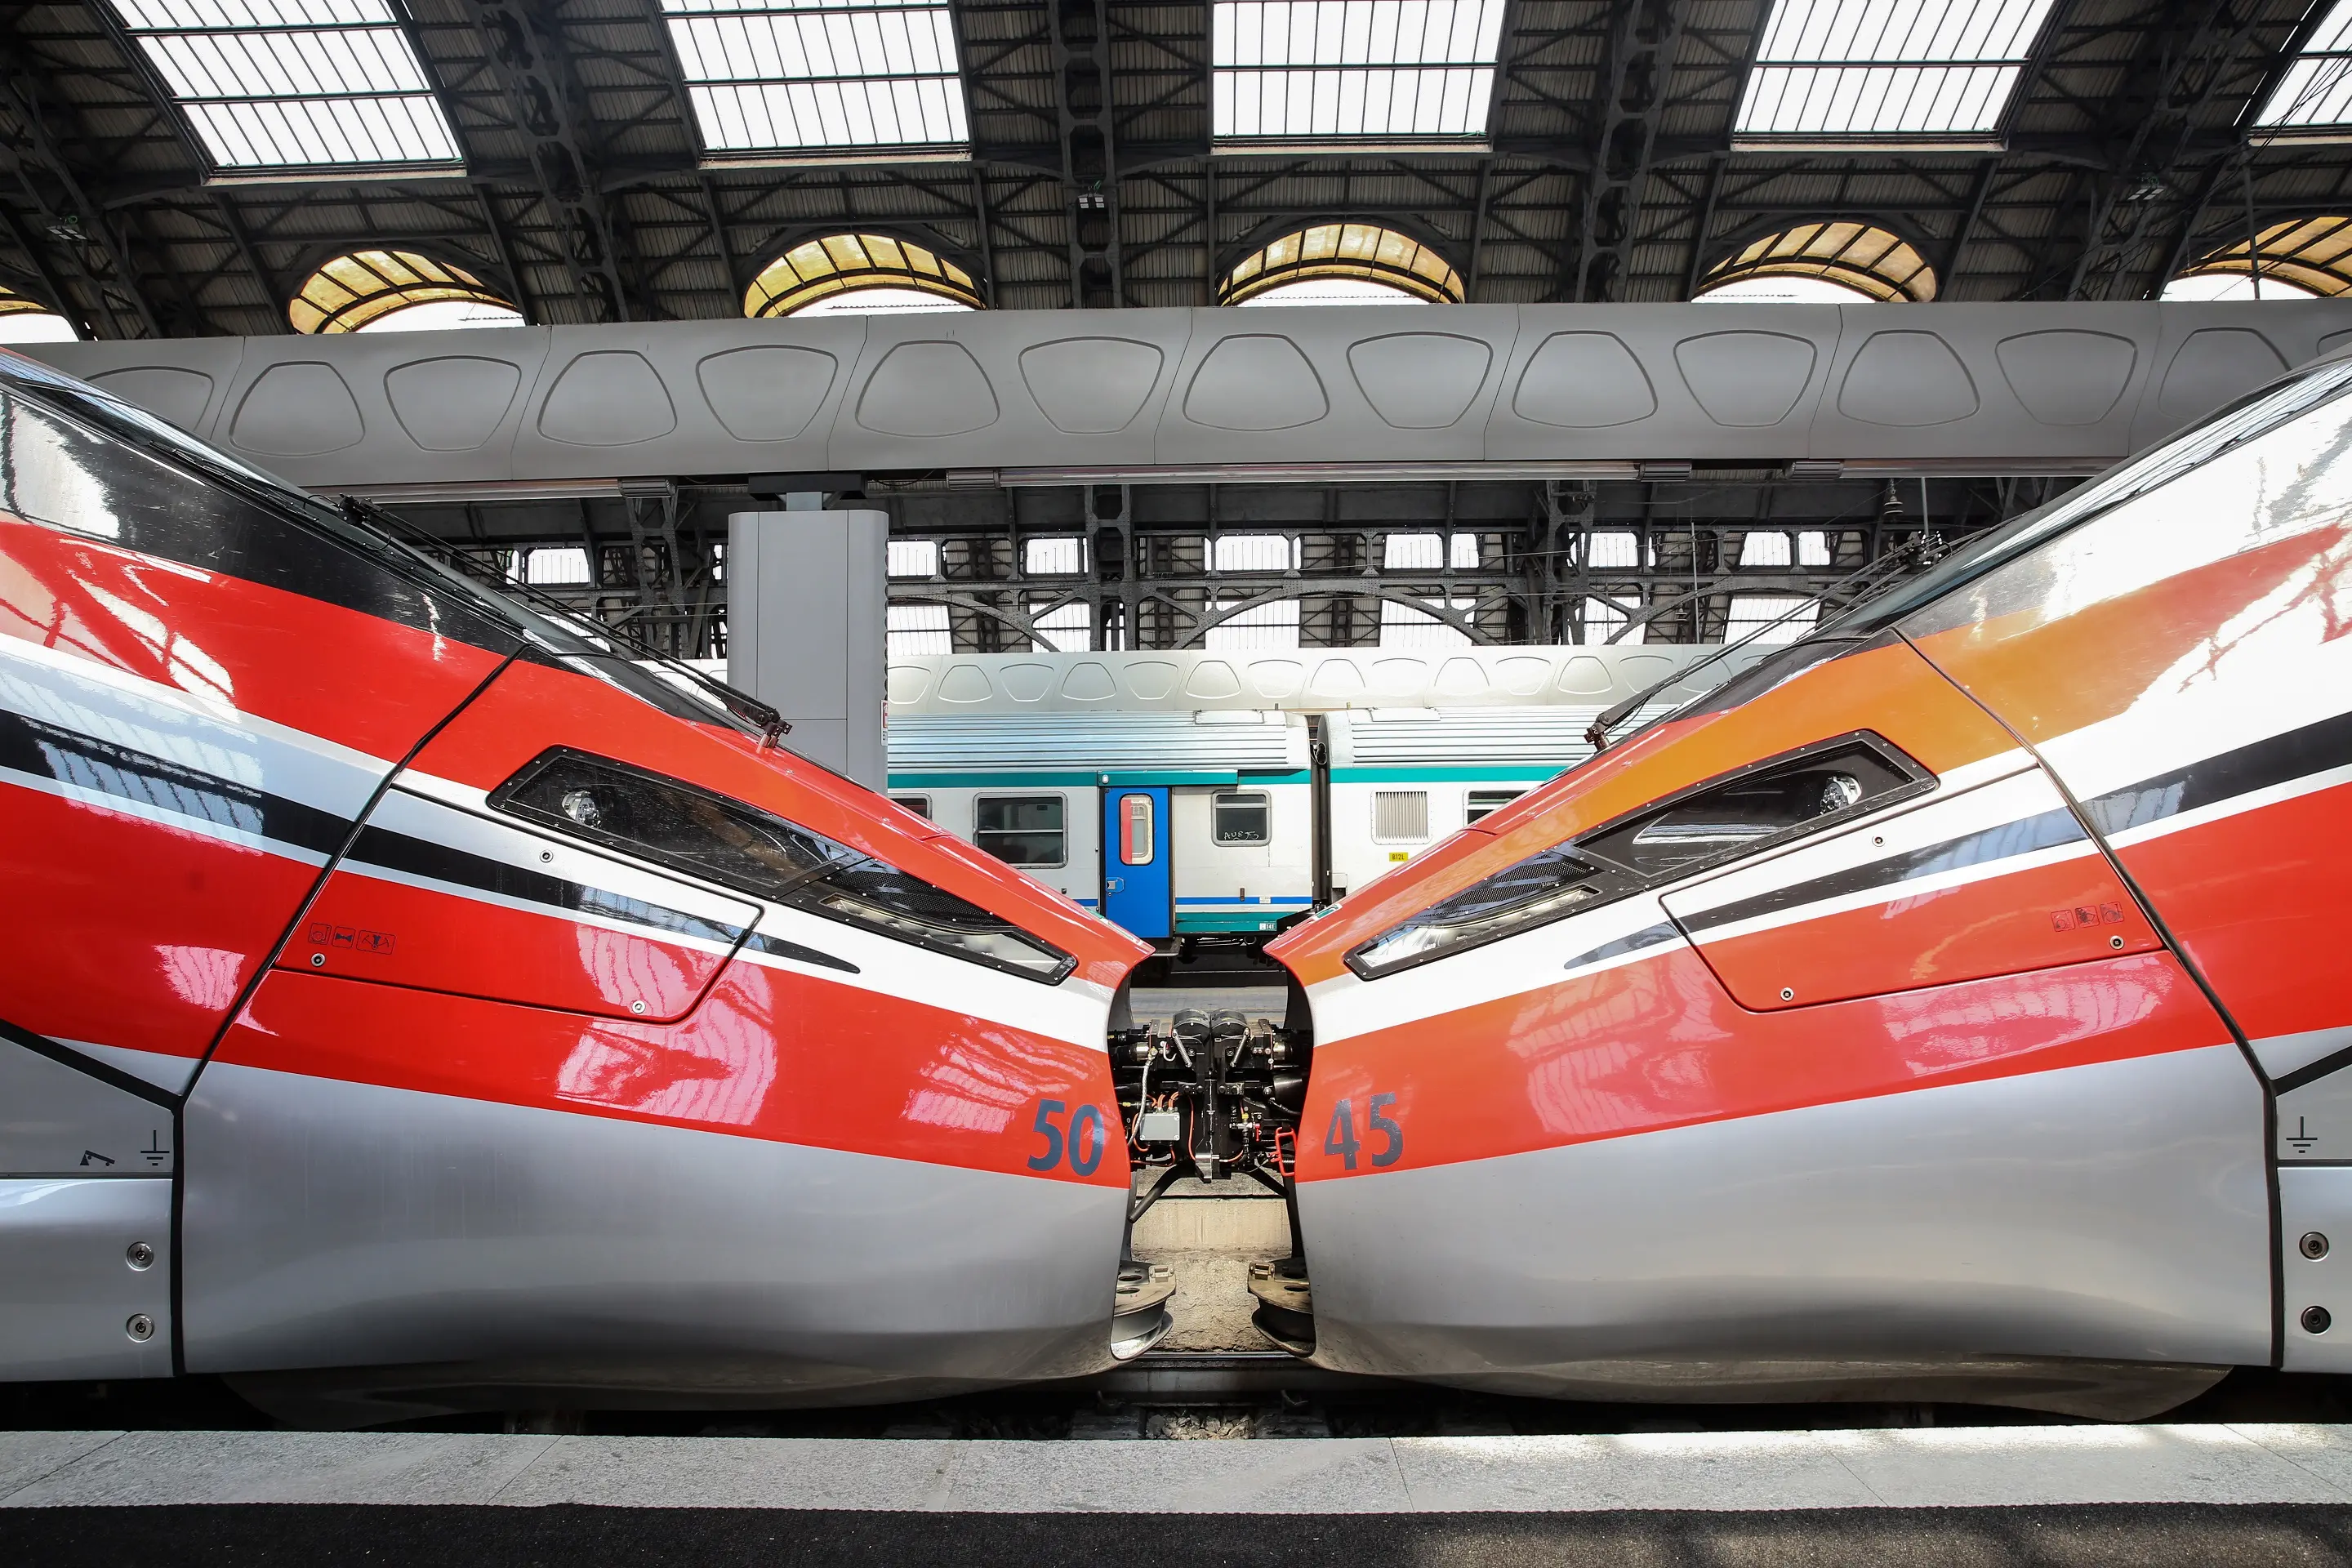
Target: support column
{"x":805,"y":619}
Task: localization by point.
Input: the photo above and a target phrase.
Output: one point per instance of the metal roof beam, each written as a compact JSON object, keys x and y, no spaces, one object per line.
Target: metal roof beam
{"x":99,"y":253}
{"x":533,"y":66}
{"x":2179,"y":69}
{"x":1086,"y":112}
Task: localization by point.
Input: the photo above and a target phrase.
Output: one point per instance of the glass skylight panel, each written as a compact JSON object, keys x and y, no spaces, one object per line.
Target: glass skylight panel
{"x":2317,"y":88}
{"x":1253,"y":553}
{"x":912,"y":629}
{"x":1054,"y":557}
{"x":1771,"y":617}
{"x":1401,"y":626}
{"x":558,"y":568}
{"x":1601,"y":620}
{"x":1828,"y":70}
{"x":284,"y":84}
{"x":786,"y":75}
{"x":912,"y":558}
{"x":1289,"y":69}
{"x":1065,"y":628}
{"x":1273,"y":625}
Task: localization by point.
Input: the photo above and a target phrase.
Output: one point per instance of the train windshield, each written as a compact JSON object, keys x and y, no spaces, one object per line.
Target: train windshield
{"x":1724,"y":681}
{"x":2251,"y":417}
{"x":575,"y":643}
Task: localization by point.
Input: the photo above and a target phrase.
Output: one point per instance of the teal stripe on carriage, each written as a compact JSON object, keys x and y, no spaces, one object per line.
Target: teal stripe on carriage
{"x":1133,"y":778}
{"x":1186,"y":921}
{"x":1248,"y":903}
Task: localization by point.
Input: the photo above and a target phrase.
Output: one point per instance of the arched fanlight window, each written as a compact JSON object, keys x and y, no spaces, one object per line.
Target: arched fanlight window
{"x":844,"y":273}
{"x":23,"y":320}
{"x":396,"y":291}
{"x":1341,"y":263}
{"x":1841,"y":261}
{"x":2299,"y":260}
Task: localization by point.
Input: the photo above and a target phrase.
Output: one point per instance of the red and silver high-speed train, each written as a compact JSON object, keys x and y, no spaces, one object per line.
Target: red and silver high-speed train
{"x":408,"y":998}
{"x":394,"y":979}
{"x":1953,"y":1003}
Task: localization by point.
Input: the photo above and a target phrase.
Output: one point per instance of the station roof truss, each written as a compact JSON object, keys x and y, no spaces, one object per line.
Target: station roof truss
{"x":182,"y":167}
{"x":1357,"y":565}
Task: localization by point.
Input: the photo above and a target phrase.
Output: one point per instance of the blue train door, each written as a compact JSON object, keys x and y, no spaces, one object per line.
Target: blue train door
{"x":1136,"y":893}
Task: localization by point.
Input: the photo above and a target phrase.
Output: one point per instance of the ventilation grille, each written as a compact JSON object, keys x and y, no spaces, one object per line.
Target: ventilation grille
{"x":1400,"y":815}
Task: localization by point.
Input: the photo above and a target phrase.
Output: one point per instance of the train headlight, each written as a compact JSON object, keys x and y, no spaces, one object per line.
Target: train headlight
{"x":1708,"y":825}
{"x":741,"y":846}
{"x":1538,"y":889}
{"x":1785,"y":798}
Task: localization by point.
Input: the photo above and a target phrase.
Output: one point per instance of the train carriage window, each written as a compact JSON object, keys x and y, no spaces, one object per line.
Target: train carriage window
{"x":1241,"y":818}
{"x":1485,"y":802}
{"x":1135,"y":830}
{"x":920,"y":805}
{"x":1400,"y":816}
{"x":1023,"y":830}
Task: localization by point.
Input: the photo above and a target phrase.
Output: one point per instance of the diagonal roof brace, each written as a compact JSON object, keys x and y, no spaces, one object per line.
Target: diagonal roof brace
{"x":83,"y":227}
{"x":545,"y":97}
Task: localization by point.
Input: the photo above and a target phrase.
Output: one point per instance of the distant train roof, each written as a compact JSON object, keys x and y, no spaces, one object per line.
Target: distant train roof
{"x":1221,"y":743}
{"x":1392,"y":737}
{"x":1298,"y":680}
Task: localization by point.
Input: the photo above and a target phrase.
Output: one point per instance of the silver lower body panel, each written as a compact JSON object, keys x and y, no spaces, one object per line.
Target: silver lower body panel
{"x":2315,"y":1216}
{"x":72,"y":1305}
{"x":2036,"y":1239}
{"x":472,"y":1253}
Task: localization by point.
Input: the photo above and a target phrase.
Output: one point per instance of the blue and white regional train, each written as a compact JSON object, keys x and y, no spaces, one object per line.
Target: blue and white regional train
{"x":1221,"y":796}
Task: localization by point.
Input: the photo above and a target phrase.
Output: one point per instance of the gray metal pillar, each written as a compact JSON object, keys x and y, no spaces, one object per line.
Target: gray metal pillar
{"x":805,"y":624}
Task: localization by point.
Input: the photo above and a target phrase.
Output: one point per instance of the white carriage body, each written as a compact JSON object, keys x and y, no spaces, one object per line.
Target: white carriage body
{"x":1014,"y":753}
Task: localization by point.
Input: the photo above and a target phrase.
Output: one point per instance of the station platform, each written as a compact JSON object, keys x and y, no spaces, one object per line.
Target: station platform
{"x":1999,"y":1495}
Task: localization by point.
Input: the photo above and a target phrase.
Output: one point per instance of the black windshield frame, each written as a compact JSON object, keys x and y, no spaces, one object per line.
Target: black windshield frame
{"x":525,"y":631}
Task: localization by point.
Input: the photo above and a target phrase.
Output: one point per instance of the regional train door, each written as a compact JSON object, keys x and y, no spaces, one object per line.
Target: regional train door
{"x":1138,"y":895}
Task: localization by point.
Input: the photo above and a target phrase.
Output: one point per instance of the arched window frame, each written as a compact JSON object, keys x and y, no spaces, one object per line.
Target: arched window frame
{"x":2312,"y":253}
{"x":854,"y":260}
{"x":402,"y":276}
{"x":1360,"y":248}
{"x":1864,"y":254}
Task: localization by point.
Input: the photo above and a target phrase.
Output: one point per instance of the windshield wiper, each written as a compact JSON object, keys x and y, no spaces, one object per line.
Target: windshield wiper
{"x":1862,"y":585}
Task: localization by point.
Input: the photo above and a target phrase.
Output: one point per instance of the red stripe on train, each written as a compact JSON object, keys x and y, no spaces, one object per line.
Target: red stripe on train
{"x":2004,"y":924}
{"x":127,"y":932}
{"x":1657,"y":1043}
{"x":769,"y":1055}
{"x":370,"y":928}
{"x":2256,"y":899}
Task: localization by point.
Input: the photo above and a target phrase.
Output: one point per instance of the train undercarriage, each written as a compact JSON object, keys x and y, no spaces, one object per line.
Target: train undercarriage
{"x":1214,"y":1096}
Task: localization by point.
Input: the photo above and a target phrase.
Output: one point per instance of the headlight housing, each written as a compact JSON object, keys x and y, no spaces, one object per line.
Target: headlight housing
{"x":1706,"y":826}
{"x":738,"y":845}
{"x":1538,"y":890}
